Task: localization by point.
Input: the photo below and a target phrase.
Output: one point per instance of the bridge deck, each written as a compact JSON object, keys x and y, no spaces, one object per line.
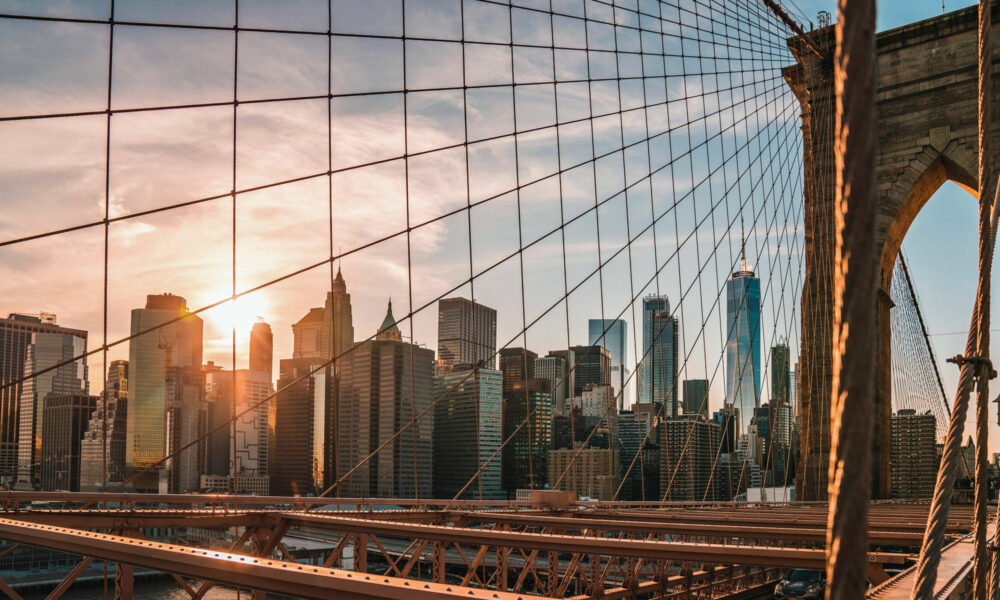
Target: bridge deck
{"x":954,"y":573}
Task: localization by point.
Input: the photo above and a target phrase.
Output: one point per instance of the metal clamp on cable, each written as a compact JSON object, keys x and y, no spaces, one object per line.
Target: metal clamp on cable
{"x":981,"y":363}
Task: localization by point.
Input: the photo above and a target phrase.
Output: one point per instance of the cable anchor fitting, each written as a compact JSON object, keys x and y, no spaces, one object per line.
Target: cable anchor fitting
{"x":982,"y":364}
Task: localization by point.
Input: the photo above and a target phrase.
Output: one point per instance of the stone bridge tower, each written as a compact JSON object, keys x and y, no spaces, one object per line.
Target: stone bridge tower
{"x":926,"y":119}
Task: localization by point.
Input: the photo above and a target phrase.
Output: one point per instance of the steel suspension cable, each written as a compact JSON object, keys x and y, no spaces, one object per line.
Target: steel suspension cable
{"x":855,"y":281}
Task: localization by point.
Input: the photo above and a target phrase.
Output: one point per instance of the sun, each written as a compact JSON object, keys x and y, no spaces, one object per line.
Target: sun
{"x":239,"y":314}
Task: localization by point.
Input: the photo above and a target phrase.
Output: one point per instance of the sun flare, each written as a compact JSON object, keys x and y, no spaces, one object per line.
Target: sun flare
{"x":240,"y":314}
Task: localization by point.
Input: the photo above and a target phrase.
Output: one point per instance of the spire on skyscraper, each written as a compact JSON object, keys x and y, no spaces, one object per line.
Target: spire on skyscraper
{"x":388,"y":331}
{"x":339,"y":285}
{"x":743,"y":245}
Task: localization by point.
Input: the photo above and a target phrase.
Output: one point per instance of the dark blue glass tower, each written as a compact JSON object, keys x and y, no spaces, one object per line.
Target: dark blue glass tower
{"x":743,"y":345}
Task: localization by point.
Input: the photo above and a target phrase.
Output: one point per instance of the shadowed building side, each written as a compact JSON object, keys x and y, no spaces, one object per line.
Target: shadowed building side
{"x":17,"y":333}
{"x":65,"y":420}
{"x":384,"y":383}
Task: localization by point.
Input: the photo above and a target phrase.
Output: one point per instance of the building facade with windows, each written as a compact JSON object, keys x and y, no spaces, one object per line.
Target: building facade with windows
{"x":468,"y":432}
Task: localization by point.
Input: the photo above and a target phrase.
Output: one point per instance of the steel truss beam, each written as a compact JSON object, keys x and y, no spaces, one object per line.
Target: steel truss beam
{"x":623,"y":523}
{"x":279,"y":577}
{"x":650,"y":549}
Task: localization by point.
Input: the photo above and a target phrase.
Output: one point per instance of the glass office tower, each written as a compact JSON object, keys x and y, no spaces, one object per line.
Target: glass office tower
{"x":468,"y":432}
{"x":613,"y":335}
{"x":743,"y":344}
{"x":467,"y":333}
{"x":659,"y":365}
{"x":177,"y":346}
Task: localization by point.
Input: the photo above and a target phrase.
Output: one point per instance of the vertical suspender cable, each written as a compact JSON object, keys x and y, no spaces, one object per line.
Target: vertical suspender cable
{"x":930,"y":553}
{"x":855,"y":272}
{"x":981,"y":570}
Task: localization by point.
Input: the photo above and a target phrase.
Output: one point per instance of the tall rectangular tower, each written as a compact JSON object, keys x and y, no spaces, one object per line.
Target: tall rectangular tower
{"x":914,"y":456}
{"x":16,"y":333}
{"x":326,"y":332}
{"x":65,"y":418}
{"x":613,"y":335}
{"x":517,"y":366}
{"x":696,"y":397}
{"x":743,"y":345}
{"x":554,"y":369}
{"x":526,"y":454}
{"x":384,"y":383}
{"x":467,"y":333}
{"x":468,"y":431}
{"x":177,"y":345}
{"x":262,"y":349}
{"x":302,"y":434}
{"x":659,"y":365}
{"x":591,"y":365}
{"x":45,"y":350}
{"x":98,"y":442}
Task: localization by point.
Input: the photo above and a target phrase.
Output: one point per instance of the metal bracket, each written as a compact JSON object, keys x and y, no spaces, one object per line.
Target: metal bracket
{"x":982,"y":364}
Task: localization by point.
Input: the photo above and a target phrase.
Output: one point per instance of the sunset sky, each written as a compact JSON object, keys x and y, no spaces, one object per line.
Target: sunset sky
{"x":52,"y":175}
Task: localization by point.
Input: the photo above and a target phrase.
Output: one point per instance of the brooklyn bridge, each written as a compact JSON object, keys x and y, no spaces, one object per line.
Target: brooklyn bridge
{"x":612,"y":296}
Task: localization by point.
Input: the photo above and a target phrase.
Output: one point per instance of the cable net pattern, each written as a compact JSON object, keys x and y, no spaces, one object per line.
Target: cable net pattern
{"x":916,"y":384}
{"x":556,"y":160}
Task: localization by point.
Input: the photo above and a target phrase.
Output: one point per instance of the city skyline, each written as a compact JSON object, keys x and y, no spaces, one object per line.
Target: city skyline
{"x":388,"y":297}
{"x":164,"y":357}
{"x":246,"y":344}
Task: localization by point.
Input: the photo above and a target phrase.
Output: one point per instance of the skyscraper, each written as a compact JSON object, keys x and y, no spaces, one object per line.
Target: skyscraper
{"x":564,"y":383}
{"x":262,"y":348}
{"x":658,"y":368}
{"x":251,"y":431}
{"x":468,"y":431}
{"x":696,"y":397}
{"x":630,"y":440}
{"x":553,"y":368}
{"x":65,"y":418}
{"x":615,"y":339}
{"x":743,"y":344}
{"x":302,"y":420}
{"x":781,"y":384}
{"x":517,"y":366}
{"x":329,"y":331}
{"x":526,"y":454}
{"x":45,"y":350}
{"x":16,"y":333}
{"x":914,"y":458}
{"x":726,"y":418}
{"x":92,"y":448}
{"x":780,"y":413}
{"x":151,"y":355}
{"x":384,"y":383}
{"x":591,"y":365}
{"x":186,"y":426}
{"x":688,"y":453}
{"x":467,"y":333}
